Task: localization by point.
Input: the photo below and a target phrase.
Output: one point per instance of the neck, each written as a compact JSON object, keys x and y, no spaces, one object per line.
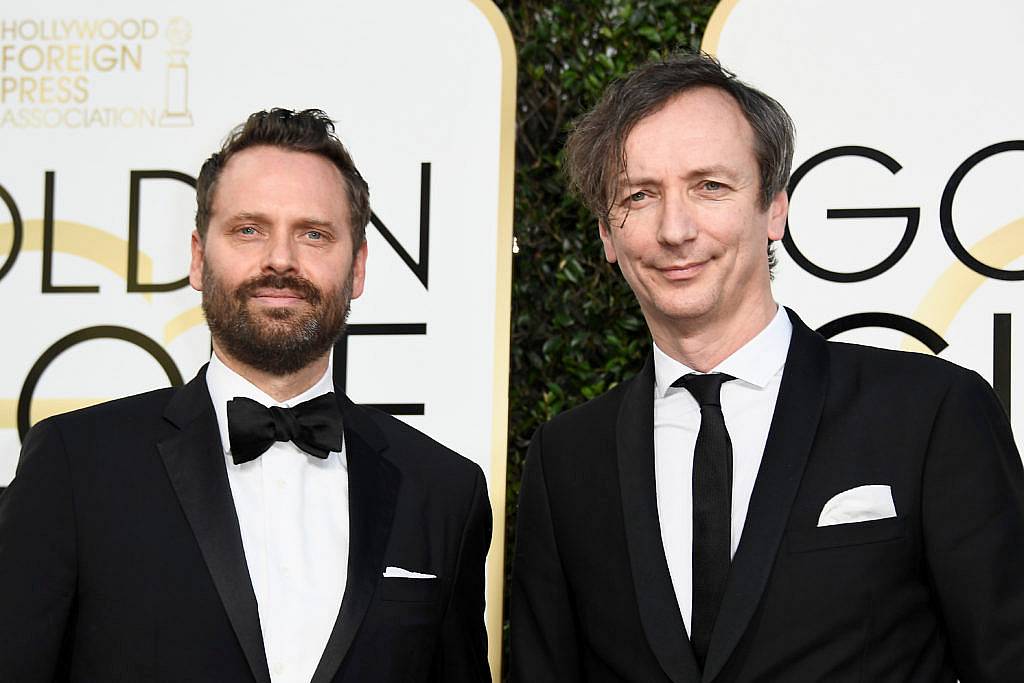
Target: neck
{"x":278,"y":387}
{"x":703,"y":343}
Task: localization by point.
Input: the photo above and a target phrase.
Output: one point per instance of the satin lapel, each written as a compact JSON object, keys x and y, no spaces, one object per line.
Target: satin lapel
{"x":655,"y":595}
{"x":194,"y":460}
{"x":797,"y":413}
{"x":373,"y":484}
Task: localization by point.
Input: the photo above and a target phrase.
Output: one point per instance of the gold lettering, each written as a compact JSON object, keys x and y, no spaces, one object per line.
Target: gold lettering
{"x":55,"y":57}
{"x":104,"y":57}
{"x":30,"y":58}
{"x":70,"y":58}
{"x":82,"y":29}
{"x":108,"y":29}
{"x":75,"y":57}
{"x":8,"y":85}
{"x":132,"y":54}
{"x":81,"y":89}
{"x":6,"y":56}
{"x":46,"y":84}
{"x":28,"y":89}
{"x":33,"y":26}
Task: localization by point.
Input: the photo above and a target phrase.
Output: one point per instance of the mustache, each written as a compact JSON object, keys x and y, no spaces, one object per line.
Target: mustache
{"x":299,"y":285}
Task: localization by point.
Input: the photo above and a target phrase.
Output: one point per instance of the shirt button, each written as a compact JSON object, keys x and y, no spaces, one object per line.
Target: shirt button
{"x":281,"y":484}
{"x":277,"y":669}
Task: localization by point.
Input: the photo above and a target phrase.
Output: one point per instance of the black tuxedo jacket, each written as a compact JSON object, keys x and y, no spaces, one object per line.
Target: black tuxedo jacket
{"x":121,"y":557}
{"x":934,"y":593}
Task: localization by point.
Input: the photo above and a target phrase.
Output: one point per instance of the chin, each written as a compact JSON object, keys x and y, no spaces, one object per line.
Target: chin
{"x":682,"y":310}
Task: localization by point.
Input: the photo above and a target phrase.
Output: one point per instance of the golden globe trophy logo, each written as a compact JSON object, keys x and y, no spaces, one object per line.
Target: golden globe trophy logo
{"x":63,"y":72}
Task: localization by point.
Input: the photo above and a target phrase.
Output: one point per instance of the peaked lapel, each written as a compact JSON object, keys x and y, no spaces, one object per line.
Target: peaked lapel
{"x":655,"y":595}
{"x":373,"y":484}
{"x":194,"y":459}
{"x":794,"y":425}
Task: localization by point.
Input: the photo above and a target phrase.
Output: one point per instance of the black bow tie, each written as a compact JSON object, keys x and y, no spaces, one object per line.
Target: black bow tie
{"x":314,"y":426}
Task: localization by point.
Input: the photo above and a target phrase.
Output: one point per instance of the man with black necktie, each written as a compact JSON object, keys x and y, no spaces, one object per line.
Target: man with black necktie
{"x":757,"y":504}
{"x":252,"y":525}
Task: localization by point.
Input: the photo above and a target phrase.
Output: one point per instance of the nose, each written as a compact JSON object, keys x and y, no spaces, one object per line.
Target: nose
{"x":279,"y":255}
{"x":678,"y":223}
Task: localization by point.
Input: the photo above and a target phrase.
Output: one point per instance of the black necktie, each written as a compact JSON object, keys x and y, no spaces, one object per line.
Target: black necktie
{"x":712,"y":508}
{"x":314,"y":426}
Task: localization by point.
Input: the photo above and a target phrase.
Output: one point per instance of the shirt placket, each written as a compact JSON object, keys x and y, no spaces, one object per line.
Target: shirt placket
{"x":278,"y":501}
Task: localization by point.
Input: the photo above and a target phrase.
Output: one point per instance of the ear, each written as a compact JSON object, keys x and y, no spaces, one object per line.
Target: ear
{"x":606,"y":239}
{"x":778,"y":211}
{"x":359,"y":271}
{"x":195,"y":269}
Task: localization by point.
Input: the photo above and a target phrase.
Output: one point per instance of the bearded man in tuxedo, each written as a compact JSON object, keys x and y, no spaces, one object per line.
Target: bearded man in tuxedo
{"x":758,"y":503}
{"x":253,"y":525}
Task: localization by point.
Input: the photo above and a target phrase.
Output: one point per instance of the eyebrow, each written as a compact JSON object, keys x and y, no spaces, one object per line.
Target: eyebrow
{"x":713,"y":170}
{"x":626,"y":180}
{"x":248,"y":216}
{"x":258,"y":217}
{"x":630,"y":181}
{"x":318,"y":222}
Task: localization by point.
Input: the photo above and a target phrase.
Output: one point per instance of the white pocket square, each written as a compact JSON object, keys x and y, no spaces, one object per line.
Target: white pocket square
{"x":399,"y":573}
{"x":861,"y":504}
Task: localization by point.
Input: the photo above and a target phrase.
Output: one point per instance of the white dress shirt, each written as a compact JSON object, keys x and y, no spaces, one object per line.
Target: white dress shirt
{"x":748,"y":403}
{"x":293,"y":514}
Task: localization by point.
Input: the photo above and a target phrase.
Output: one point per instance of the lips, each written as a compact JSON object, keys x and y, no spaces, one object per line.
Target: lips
{"x":682,"y":271}
{"x":278,"y":298}
{"x":276,"y":294}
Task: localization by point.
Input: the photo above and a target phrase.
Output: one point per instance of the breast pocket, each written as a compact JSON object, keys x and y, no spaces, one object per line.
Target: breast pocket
{"x":400,"y":589}
{"x":842,"y":535}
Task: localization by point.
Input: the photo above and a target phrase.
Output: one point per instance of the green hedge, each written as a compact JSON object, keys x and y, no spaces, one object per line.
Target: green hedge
{"x":576,"y":328}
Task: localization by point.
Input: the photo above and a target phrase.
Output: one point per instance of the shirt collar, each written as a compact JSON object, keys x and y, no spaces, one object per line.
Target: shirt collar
{"x":756,"y":362}
{"x":225,"y":384}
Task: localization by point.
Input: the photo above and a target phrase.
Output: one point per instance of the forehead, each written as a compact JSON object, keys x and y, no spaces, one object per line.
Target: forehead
{"x":264,"y":177}
{"x":701,"y":127}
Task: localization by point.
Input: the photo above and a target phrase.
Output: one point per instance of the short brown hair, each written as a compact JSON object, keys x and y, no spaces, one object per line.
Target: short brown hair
{"x":595,"y":151}
{"x":309,"y":131}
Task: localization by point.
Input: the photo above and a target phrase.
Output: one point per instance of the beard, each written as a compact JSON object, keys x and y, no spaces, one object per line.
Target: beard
{"x":278,"y":341}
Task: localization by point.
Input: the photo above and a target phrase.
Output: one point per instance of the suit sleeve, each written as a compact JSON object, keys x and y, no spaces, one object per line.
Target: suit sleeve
{"x":37,"y":559}
{"x":973,"y":520}
{"x":463,"y":647}
{"x":543,"y":625}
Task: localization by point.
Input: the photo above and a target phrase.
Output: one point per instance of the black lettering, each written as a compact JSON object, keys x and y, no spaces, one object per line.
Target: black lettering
{"x":1001,"y":338}
{"x":911,"y":214}
{"x":17,"y":231}
{"x":75,"y":338}
{"x":48,"y":287}
{"x":419,"y":268}
{"x":135,"y":191}
{"x":341,"y":360}
{"x":890,"y":321}
{"x":946,"y":212}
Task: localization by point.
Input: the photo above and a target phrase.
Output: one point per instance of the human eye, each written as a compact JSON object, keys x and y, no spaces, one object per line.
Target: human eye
{"x":247,"y":230}
{"x":712,"y":186}
{"x":317,"y":235}
{"x":636,"y":197}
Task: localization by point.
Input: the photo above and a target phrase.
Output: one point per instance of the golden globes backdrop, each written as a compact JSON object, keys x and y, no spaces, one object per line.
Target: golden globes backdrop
{"x":906,"y":225}
{"x":106,"y":113}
